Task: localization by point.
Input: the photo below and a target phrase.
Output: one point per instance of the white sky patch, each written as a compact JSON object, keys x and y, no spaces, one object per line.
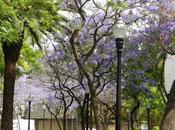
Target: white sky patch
{"x":90,"y":9}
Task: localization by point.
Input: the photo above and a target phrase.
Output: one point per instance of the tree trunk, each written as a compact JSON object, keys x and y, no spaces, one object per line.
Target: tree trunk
{"x":105,"y":119}
{"x":11,"y":55}
{"x":168,"y":122}
{"x":58,"y":122}
{"x":132,"y":114}
{"x":82,"y":117}
{"x":96,"y":116}
{"x":64,"y":119}
{"x":91,"y":117}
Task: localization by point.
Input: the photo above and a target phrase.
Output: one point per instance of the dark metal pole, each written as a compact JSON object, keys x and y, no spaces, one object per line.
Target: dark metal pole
{"x":119,"y":46}
{"x":148,"y":116}
{"x":132,"y":121}
{"x":129,"y":121}
{"x":43,"y":118}
{"x":29,"y":115}
{"x":87,"y":111}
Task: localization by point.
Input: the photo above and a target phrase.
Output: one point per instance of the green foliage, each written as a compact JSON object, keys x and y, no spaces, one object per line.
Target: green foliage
{"x":19,"y":16}
{"x":118,"y":6}
{"x":111,"y":128}
{"x":156,"y":128}
{"x":30,"y":59}
{"x":26,"y":21}
{"x":152,"y":61}
{"x":40,"y":14}
{"x":9,"y":23}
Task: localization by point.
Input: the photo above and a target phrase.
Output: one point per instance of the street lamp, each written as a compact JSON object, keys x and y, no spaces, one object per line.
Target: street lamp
{"x":87,"y":107}
{"x":119,"y":32}
{"x":44,"y":108}
{"x":129,"y":117}
{"x":148,"y":116}
{"x":29,"y":103}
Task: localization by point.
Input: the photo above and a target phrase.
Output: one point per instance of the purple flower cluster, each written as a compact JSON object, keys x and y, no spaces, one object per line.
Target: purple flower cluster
{"x":153,"y":8}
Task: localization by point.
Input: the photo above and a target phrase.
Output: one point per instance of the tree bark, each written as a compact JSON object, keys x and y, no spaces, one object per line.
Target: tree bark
{"x":11,"y":55}
{"x":64,"y":119}
{"x":96,"y":116}
{"x":82,"y":117}
{"x":168,"y":121}
{"x":132,"y":114}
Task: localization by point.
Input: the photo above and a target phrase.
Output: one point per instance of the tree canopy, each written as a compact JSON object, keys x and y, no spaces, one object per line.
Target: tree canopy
{"x":84,"y":51}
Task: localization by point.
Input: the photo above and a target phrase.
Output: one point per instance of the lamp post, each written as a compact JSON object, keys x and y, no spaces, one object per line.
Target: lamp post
{"x":148,"y":116}
{"x":87,"y":107}
{"x":29,"y":103}
{"x":119,"y":32}
{"x":129,"y":121}
{"x":44,"y":108}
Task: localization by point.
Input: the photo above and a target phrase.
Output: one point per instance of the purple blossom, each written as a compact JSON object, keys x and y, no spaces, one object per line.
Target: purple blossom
{"x":109,"y":45}
{"x":98,"y":17}
{"x":129,"y":16}
{"x":72,"y":66}
{"x":105,"y":27}
{"x":170,"y":26}
{"x":144,"y":89}
{"x":166,"y":31}
{"x":152,"y":8}
{"x":26,"y":87}
{"x":73,"y":106}
{"x":95,"y":58}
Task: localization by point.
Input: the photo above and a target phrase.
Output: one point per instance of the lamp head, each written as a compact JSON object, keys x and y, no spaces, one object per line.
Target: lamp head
{"x":29,"y":98}
{"x":149,"y":106}
{"x":120,"y":30}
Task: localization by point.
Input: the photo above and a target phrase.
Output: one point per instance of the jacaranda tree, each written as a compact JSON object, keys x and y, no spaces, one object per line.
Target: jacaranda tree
{"x":158,"y":28}
{"x":87,"y":50}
